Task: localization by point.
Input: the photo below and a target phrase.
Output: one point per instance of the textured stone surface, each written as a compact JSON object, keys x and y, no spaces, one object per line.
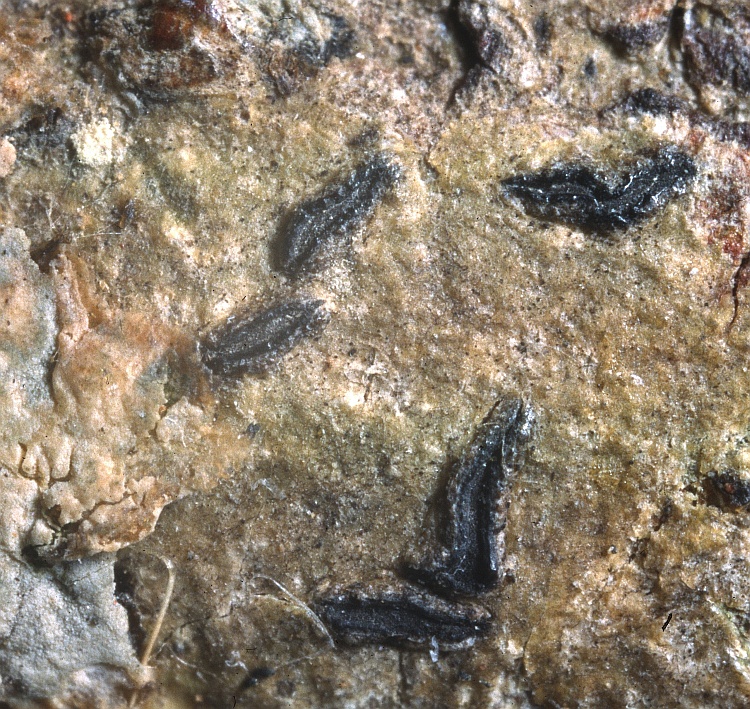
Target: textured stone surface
{"x":149,"y":152}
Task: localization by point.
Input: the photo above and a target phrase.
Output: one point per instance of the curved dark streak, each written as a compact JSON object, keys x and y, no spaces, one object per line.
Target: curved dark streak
{"x":468,"y":560}
{"x":334,"y":215}
{"x":575,"y":195}
{"x":251,"y":345}
{"x":400,"y":617}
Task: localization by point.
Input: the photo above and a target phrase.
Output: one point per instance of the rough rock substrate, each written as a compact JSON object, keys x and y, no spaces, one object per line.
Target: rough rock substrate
{"x":148,"y":153}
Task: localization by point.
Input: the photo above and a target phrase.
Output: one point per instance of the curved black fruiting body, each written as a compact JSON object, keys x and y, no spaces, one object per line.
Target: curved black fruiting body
{"x":468,"y":562}
{"x":332,"y":216}
{"x":575,"y":195}
{"x":253,"y":344}
{"x":402,"y":616}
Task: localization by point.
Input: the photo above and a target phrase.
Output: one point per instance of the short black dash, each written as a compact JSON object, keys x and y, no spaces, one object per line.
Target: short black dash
{"x":331,"y":217}
{"x":633,"y":38}
{"x":575,"y":195}
{"x":253,"y":344}
{"x":664,"y":627}
{"x":715,"y":46}
{"x":401,"y":616}
{"x":254,"y":677}
{"x":470,"y":538}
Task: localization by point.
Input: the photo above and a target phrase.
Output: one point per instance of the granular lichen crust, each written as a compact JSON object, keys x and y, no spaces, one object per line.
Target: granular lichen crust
{"x":150,"y":153}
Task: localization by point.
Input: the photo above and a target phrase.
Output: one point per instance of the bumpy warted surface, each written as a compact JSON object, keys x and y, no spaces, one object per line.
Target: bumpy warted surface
{"x":332,"y":216}
{"x":266,"y":266}
{"x":466,"y":553}
{"x":254,"y":343}
{"x":401,"y":615}
{"x":575,"y":195}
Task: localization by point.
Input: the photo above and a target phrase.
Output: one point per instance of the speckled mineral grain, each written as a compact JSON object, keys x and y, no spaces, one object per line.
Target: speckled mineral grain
{"x":410,"y":337}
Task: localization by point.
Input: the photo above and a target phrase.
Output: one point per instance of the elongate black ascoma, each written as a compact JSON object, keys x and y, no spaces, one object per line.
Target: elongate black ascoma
{"x":575,"y":195}
{"x":333,"y":216}
{"x":400,"y":615}
{"x":470,"y":526}
{"x":251,"y":345}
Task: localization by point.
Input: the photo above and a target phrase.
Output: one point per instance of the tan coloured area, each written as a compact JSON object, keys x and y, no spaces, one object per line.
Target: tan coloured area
{"x":7,"y":157}
{"x":97,"y":457}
